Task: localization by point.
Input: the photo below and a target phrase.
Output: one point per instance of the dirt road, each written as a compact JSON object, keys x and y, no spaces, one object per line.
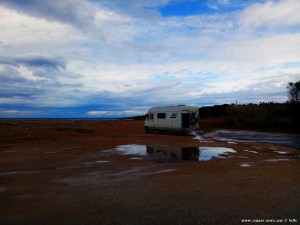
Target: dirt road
{"x":112,"y":172}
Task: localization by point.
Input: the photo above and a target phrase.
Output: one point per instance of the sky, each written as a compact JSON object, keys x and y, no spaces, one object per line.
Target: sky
{"x":116,"y":58}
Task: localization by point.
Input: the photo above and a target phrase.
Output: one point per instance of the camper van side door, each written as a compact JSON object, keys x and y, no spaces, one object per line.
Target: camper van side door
{"x":185,"y":121}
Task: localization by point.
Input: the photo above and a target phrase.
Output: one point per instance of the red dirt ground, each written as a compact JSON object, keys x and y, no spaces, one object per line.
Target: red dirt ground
{"x":59,"y":172}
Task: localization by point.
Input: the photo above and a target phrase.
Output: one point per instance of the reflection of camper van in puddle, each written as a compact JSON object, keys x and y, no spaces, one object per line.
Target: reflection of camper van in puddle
{"x":184,"y":153}
{"x":172,"y":118}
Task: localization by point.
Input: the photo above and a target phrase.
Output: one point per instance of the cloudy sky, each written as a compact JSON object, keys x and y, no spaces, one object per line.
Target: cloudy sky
{"x":101,"y":58}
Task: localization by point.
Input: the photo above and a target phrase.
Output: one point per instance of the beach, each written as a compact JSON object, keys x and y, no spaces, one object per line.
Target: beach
{"x":113,"y":172}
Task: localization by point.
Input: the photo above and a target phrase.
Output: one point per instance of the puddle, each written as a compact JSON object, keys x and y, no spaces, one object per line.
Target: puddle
{"x":248,"y":136}
{"x":277,"y":160}
{"x":139,"y":150}
{"x":160,"y":171}
{"x":198,"y":137}
{"x":281,"y":152}
{"x":160,"y":153}
{"x":201,"y":138}
{"x":255,"y":152}
{"x":138,"y":158}
{"x":165,"y":153}
{"x":245,"y":165}
{"x":207,"y":153}
{"x":96,"y":162}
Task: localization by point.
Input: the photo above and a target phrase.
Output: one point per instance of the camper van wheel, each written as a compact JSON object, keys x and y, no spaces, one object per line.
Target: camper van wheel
{"x":147,"y":129}
{"x":181,"y":133}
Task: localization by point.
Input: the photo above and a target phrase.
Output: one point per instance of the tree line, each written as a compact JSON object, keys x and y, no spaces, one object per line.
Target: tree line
{"x":263,"y":116}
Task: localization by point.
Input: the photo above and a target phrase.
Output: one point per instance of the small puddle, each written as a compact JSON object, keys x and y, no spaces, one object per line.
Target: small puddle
{"x":281,"y":152}
{"x":96,"y":162}
{"x":255,"y":152}
{"x":276,"y":160}
{"x":165,"y":153}
{"x":245,"y":165}
{"x":138,"y":150}
{"x":198,"y":137}
{"x":207,"y":153}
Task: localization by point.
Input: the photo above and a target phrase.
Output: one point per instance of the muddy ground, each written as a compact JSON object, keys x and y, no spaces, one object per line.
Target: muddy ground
{"x":112,"y":172}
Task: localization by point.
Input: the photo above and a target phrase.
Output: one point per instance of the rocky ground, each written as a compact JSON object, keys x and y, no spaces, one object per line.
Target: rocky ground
{"x":112,"y":172}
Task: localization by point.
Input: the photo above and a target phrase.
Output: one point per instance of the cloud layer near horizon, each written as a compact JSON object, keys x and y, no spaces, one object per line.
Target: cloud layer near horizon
{"x":100,"y":58}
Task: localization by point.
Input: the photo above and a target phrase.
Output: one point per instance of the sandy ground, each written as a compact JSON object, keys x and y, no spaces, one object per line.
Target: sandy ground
{"x":69,"y":172}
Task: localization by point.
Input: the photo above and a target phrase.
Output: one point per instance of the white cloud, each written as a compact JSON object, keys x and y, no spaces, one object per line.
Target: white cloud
{"x":20,"y":30}
{"x":115,"y":113}
{"x":272,"y":14}
{"x":12,"y":111}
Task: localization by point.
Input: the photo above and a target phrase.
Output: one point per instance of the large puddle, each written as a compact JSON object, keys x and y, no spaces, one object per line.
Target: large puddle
{"x":279,"y":139}
{"x":164,"y":153}
{"x":167,"y":153}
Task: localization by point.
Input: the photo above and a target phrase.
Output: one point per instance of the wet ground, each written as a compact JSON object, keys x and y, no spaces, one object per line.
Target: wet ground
{"x":112,"y":172}
{"x":279,"y":139}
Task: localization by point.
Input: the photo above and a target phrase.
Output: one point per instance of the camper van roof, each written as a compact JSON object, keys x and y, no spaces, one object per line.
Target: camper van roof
{"x":173,"y":108}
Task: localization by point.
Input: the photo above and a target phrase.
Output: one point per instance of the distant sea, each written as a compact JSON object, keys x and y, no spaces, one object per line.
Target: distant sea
{"x":61,"y":118}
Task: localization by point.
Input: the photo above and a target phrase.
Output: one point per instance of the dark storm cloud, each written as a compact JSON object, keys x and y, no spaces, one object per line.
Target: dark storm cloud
{"x":35,"y":61}
{"x":42,"y":61}
{"x":15,"y":85}
{"x":74,"y":12}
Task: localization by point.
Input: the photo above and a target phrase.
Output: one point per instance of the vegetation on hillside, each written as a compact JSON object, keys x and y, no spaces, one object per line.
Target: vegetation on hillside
{"x":263,"y":116}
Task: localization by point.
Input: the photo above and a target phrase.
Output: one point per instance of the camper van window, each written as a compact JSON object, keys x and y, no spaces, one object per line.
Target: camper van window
{"x":173,"y":115}
{"x":149,"y":116}
{"x":161,"y":115}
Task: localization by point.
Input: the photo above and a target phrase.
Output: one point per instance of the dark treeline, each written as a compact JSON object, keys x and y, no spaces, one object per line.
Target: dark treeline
{"x":264,"y":116}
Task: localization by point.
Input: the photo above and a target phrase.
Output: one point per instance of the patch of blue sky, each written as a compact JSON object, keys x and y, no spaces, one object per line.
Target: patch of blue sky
{"x":54,"y":112}
{"x":163,"y":77}
{"x":267,"y":30}
{"x":286,"y":65}
{"x":289,"y":65}
{"x":294,"y":28}
{"x":195,"y":7}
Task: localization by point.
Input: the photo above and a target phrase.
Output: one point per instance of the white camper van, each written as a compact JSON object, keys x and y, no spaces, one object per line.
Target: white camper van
{"x":172,"y":118}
